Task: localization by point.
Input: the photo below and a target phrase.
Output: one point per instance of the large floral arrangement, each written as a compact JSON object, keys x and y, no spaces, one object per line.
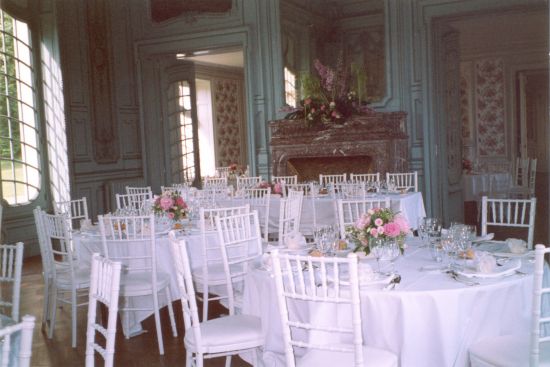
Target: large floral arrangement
{"x":236,"y":170}
{"x":171,"y":204}
{"x":331,"y":96}
{"x":378,"y":223}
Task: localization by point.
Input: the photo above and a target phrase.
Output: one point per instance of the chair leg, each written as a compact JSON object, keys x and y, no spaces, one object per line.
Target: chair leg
{"x":157,"y":323}
{"x":205,"y":300}
{"x":188,"y":359}
{"x":228,"y":361}
{"x":53,"y":310}
{"x":46,"y":305}
{"x":199,"y":358}
{"x":73,"y":317}
{"x":171,"y":312}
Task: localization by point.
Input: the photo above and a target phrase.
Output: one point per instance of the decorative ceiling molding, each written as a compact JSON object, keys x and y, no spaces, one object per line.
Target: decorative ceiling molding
{"x":162,"y":10}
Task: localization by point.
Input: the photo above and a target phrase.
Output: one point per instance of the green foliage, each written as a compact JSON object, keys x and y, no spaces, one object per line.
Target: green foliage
{"x":9,"y":112}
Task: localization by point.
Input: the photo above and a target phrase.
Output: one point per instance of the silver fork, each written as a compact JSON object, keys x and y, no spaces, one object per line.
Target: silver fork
{"x":456,"y":277}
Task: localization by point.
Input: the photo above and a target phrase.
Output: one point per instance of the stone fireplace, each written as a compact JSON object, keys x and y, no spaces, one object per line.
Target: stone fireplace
{"x":375,"y":142}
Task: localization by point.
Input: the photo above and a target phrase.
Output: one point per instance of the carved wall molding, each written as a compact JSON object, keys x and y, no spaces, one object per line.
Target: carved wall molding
{"x":104,"y":126}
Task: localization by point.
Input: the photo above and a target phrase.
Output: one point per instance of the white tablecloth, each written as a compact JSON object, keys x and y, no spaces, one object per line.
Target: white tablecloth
{"x":411,"y":205}
{"x":475,"y":185}
{"x":428,"y":320}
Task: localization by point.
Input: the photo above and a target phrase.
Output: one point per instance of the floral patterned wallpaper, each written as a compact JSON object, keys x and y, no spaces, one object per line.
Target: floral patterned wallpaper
{"x":489,"y":108}
{"x":229,"y":115}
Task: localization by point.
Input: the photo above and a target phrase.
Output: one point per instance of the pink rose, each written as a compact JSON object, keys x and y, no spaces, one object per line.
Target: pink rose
{"x":381,"y":230}
{"x":392,"y":229}
{"x":278,"y":188}
{"x":402,"y":223}
{"x":180,"y":202}
{"x":361,"y":222}
{"x":171,"y":215}
{"x":378,"y":222}
{"x":374,"y":232}
{"x":166,"y":202}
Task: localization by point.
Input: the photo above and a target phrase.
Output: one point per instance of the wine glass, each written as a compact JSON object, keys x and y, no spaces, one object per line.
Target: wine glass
{"x":391,"y":252}
{"x":376,"y":246}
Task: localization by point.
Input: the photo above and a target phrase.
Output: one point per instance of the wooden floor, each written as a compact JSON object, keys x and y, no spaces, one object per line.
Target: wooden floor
{"x":138,"y":351}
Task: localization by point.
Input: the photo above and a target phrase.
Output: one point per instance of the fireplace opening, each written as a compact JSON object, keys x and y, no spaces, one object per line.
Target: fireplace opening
{"x":309,"y":168}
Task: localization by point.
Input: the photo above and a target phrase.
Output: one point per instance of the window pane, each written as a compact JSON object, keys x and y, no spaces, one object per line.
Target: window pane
{"x":20,"y":165}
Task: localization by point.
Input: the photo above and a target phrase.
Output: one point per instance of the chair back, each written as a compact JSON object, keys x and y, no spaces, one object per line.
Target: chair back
{"x":248,"y":182}
{"x":134,"y":203}
{"x":310,"y":194}
{"x":215,"y":182}
{"x":259,"y":200}
{"x":181,"y":262}
{"x":532,"y":176}
{"x":59,"y":249}
{"x":19,"y":338}
{"x":286,"y":180}
{"x":290,"y":213}
{"x":365,"y":177}
{"x":139,"y":190}
{"x":403,"y":181}
{"x":43,"y":242}
{"x":325,"y":180}
{"x":342,"y":190}
{"x":317,"y":281}
{"x":223,"y":171}
{"x":75,"y":209}
{"x":241,"y":244}
{"x":105,"y":289}
{"x":539,"y":292}
{"x":350,"y":210}
{"x":181,"y":190}
{"x":509,"y":213}
{"x":130,"y":240}
{"x":520,"y":173}
{"x":11,"y":262}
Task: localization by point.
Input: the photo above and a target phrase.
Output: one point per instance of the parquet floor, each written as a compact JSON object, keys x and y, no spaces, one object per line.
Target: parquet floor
{"x":138,"y":351}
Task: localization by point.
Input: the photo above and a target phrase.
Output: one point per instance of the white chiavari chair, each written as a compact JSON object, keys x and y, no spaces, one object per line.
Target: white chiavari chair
{"x":223,"y":171}
{"x":403,"y":180}
{"x":212,"y":272}
{"x":248,"y":182}
{"x":133,"y":202}
{"x":524,"y":185}
{"x":17,"y":339}
{"x":224,"y":336}
{"x":290,"y":213}
{"x":520,"y":172}
{"x":343,"y":190}
{"x":317,"y":282}
{"x":349,"y":210}
{"x":181,"y":190}
{"x":241,"y":247}
{"x":309,"y":193}
{"x":11,"y":262}
{"x":215,"y":182}
{"x":522,"y":349}
{"x":47,"y":264}
{"x":287,"y":180}
{"x":326,"y":180}
{"x":70,"y":278}
{"x":131,"y":240}
{"x":139,"y":190}
{"x":259,"y":200}
{"x":76,"y":210}
{"x":365,"y":177}
{"x":509,"y":213}
{"x":104,"y":289}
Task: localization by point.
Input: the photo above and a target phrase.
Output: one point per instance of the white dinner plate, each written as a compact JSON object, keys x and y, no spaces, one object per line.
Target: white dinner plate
{"x":503,"y":270}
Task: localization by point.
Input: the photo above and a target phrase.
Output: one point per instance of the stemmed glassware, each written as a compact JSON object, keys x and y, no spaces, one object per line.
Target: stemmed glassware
{"x":325,"y":238}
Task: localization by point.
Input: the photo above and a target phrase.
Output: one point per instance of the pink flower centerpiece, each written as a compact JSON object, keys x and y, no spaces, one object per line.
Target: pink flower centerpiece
{"x":171,"y":204}
{"x":378,"y":223}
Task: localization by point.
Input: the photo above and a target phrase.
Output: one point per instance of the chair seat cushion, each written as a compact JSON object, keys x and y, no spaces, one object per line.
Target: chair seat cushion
{"x":139,"y":283}
{"x":81,"y":278}
{"x":507,"y":350}
{"x":228,"y":333}
{"x":372,"y":357}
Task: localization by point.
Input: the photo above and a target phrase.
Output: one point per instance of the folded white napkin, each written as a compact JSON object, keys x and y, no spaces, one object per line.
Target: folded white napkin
{"x":516,"y":245}
{"x":486,"y":263}
{"x":295,"y":242}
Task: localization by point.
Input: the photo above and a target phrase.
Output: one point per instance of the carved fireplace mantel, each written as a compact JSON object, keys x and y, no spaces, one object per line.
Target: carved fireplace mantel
{"x":376,"y":142}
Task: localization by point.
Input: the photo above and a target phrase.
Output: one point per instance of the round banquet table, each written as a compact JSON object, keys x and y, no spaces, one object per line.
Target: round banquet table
{"x":429,"y":319}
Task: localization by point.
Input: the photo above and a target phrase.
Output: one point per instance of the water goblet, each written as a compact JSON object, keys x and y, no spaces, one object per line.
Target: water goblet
{"x":376,"y":246}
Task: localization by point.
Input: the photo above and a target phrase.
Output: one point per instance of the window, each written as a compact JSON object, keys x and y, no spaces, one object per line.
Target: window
{"x":19,"y":158}
{"x":182,"y":152}
{"x":290,"y":87}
